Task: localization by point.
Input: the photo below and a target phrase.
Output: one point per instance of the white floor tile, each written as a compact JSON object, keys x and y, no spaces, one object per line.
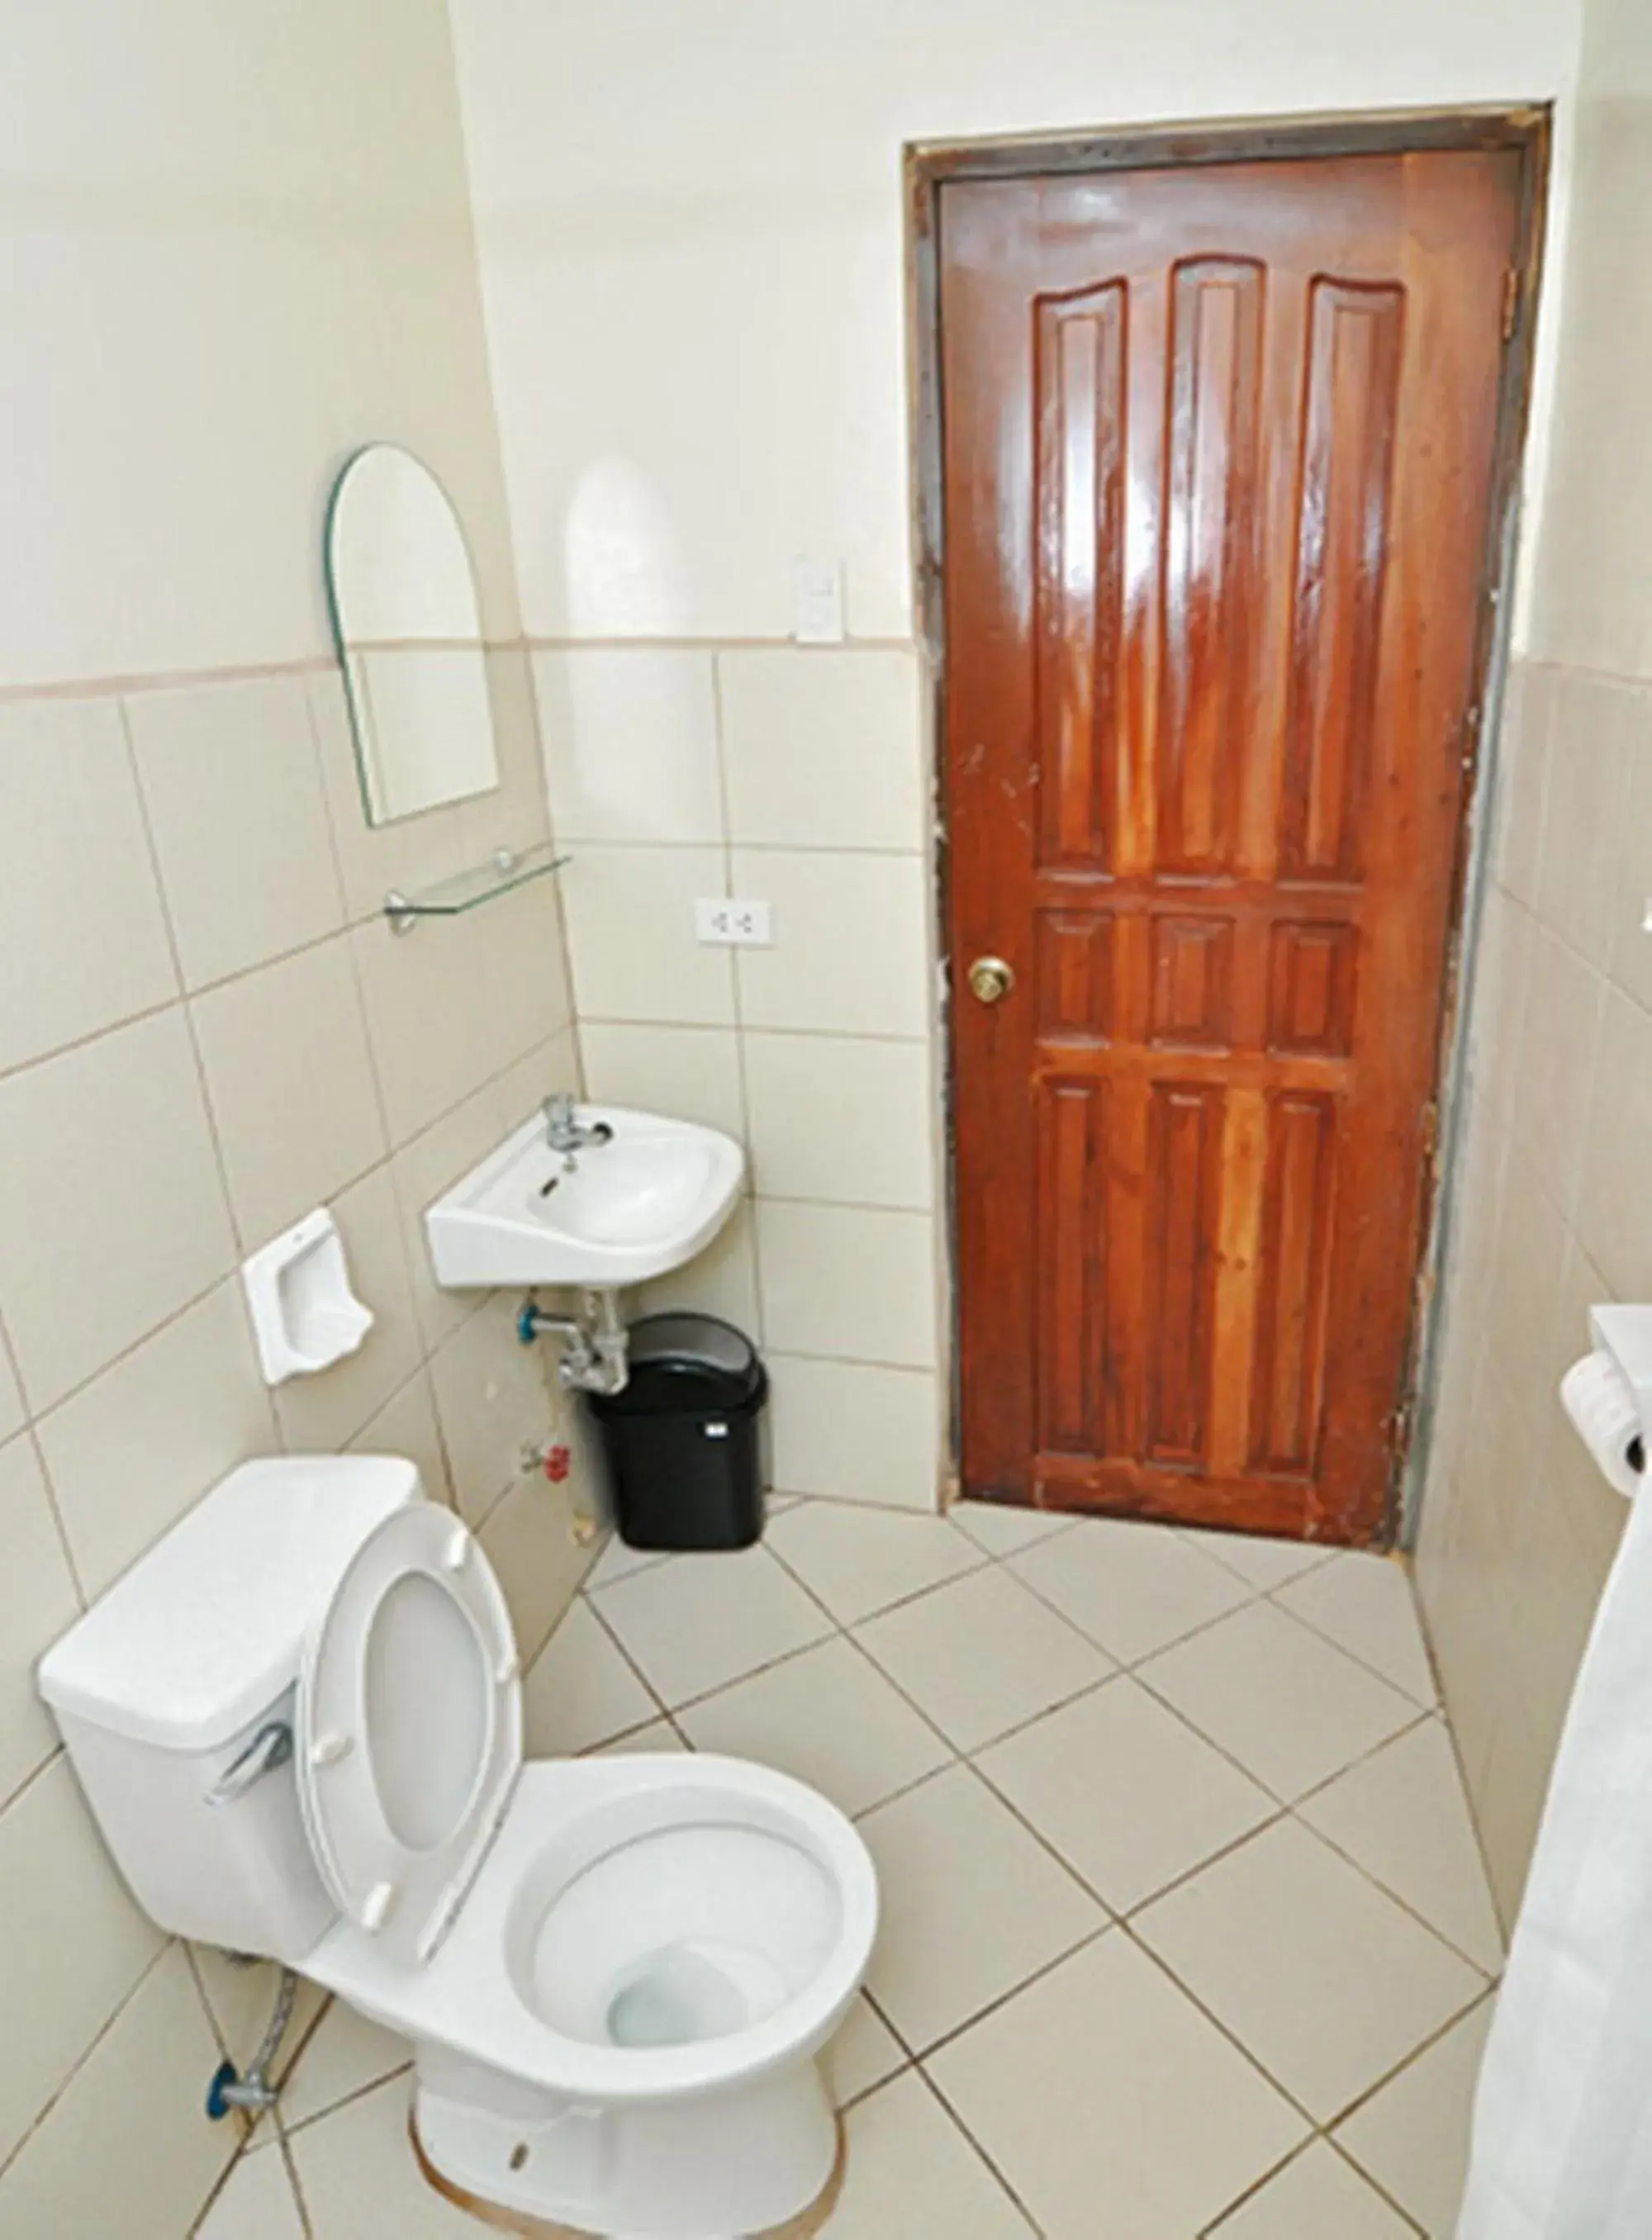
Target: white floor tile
{"x":1315,"y":2198}
{"x":357,"y":2175}
{"x":863,"y":2053}
{"x":658,"y":1734}
{"x":972,"y":1905}
{"x":982,"y":1655}
{"x":911,"y":2173}
{"x":1130,"y":1796}
{"x":257,"y":2203}
{"x":579,"y":1691}
{"x":1322,"y":1977}
{"x":1413,"y":2135}
{"x":1111,"y":2104}
{"x":1261,"y":1562}
{"x":695,"y":1622}
{"x":856,"y":1561}
{"x":1276,"y":1696}
{"x":1365,"y":1604}
{"x":345,"y":2053}
{"x":1402,"y":1815}
{"x":1132,"y":1588}
{"x":1002,"y":1529}
{"x":829,"y":1717}
{"x":618,"y":1561}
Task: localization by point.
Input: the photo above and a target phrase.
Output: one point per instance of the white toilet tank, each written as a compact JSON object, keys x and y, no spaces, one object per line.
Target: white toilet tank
{"x":180,"y":1668}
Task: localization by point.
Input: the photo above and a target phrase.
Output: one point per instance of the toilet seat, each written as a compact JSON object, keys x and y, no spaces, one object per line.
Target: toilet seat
{"x":408,"y":1730}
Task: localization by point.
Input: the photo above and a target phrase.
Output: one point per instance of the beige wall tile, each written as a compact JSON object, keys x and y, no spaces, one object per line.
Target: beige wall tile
{"x":854,"y":1432}
{"x":233,"y":789}
{"x":1560,"y":1044}
{"x":1615,"y":1208}
{"x":422,"y":1170}
{"x":74,"y":1945}
{"x":631,"y":948}
{"x":291,"y":1087}
{"x":846,"y":1283}
{"x":690,"y":1073}
{"x":521,"y":1089}
{"x":631,"y":736}
{"x":258,"y":2202}
{"x":423,"y":994}
{"x":1522,"y":778}
{"x":525,"y":995}
{"x":131,"y":1451}
{"x":846,"y":1122}
{"x":319,"y":1414}
{"x":128,"y":2149}
{"x":850,"y":942}
{"x":406,"y":1425}
{"x":722,"y":1280}
{"x":530,"y":1540}
{"x":12,"y":1416}
{"x":1631,"y":950}
{"x":38,"y":1602}
{"x":112,"y":1215}
{"x":491,"y":1402}
{"x":1583,"y":827}
{"x":80,"y":906}
{"x":821,"y":746}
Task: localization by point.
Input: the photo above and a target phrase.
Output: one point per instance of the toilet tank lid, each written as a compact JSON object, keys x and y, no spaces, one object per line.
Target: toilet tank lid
{"x":207,"y":1629}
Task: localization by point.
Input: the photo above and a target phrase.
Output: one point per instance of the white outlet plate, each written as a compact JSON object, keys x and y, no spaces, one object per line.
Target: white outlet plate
{"x":733,"y":923}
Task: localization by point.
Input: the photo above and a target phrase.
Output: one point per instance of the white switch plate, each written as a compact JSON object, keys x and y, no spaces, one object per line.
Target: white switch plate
{"x":735,"y":923}
{"x":818,"y":601}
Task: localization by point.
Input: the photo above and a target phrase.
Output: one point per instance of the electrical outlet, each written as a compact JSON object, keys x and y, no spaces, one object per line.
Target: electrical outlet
{"x":733,"y":923}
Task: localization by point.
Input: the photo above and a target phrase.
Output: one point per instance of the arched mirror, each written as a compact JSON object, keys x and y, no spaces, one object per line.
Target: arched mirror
{"x":409,"y":631}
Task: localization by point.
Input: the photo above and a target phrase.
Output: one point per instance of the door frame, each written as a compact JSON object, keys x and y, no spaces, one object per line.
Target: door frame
{"x":1524,"y":130}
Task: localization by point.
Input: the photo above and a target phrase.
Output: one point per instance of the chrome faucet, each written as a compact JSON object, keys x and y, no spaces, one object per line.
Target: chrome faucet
{"x":566,"y":1132}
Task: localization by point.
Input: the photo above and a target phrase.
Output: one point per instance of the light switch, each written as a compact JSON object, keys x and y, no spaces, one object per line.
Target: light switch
{"x":818,"y":601}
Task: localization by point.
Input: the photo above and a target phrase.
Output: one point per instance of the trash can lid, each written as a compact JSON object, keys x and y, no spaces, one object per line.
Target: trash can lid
{"x":680,"y":1362}
{"x":690,"y":1341}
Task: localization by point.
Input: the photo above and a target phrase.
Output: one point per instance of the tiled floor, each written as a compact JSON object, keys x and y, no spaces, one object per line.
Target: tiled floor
{"x":1185,"y":1928}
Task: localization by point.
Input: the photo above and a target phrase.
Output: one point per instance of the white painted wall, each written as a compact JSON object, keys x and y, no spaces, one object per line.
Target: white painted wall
{"x":691,"y":229}
{"x":236,"y":245}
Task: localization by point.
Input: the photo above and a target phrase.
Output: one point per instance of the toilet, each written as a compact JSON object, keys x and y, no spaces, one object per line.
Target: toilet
{"x":298,"y":1720}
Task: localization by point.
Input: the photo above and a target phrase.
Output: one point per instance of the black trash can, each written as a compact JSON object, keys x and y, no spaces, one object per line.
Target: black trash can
{"x":680,"y":1441}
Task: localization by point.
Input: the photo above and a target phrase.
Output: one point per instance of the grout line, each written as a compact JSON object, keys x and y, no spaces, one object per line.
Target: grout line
{"x":726,"y":1027}
{"x":346,"y":2100}
{"x":958,"y":2124}
{"x":1382,"y":2192}
{"x":10,"y":2161}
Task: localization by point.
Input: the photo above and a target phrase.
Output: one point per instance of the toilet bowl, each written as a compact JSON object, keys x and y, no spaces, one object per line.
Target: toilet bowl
{"x":615,"y":1972}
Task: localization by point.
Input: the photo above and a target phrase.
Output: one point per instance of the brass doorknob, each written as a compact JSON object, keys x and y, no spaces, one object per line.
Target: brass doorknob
{"x":991,"y":979}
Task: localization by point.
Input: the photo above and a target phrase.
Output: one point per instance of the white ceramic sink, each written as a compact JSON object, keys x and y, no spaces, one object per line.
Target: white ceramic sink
{"x":651,"y":1198}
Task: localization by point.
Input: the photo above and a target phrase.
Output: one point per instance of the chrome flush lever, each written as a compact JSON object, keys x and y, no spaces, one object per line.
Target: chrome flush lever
{"x":271,"y":1747}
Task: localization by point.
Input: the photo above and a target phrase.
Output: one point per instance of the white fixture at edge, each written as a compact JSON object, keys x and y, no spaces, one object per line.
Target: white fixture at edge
{"x":615,"y":1972}
{"x":305,"y":1315}
{"x":604,"y":1215}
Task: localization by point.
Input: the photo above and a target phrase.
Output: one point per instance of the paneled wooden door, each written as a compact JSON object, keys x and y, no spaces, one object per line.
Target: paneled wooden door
{"x":1217,"y":447}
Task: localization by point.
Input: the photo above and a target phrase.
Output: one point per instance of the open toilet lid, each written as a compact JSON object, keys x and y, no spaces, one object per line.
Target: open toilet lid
{"x":409,"y":1727}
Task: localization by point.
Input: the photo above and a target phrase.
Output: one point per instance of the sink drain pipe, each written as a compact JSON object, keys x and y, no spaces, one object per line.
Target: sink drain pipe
{"x":595,"y":1342}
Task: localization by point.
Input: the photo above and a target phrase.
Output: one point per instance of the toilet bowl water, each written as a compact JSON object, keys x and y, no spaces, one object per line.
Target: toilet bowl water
{"x":685,"y":1934}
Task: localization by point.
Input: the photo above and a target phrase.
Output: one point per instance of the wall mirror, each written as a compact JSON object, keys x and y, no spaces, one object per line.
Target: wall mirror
{"x":407,"y":627}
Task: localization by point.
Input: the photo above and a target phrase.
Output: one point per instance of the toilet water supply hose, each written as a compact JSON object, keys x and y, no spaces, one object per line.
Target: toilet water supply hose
{"x":253,"y":2091}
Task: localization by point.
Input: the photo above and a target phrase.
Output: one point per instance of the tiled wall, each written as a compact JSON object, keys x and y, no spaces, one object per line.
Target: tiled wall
{"x":1517,"y":1527}
{"x":206,"y":1028}
{"x":792,"y":776}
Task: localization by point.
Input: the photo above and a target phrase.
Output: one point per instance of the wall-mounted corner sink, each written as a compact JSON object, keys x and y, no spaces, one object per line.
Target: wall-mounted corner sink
{"x":610,"y":1213}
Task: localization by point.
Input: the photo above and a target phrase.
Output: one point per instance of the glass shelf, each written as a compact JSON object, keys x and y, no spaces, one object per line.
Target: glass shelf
{"x":505,"y":870}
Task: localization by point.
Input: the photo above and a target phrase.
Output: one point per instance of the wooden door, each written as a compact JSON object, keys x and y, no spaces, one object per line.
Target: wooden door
{"x":1218,"y":454}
